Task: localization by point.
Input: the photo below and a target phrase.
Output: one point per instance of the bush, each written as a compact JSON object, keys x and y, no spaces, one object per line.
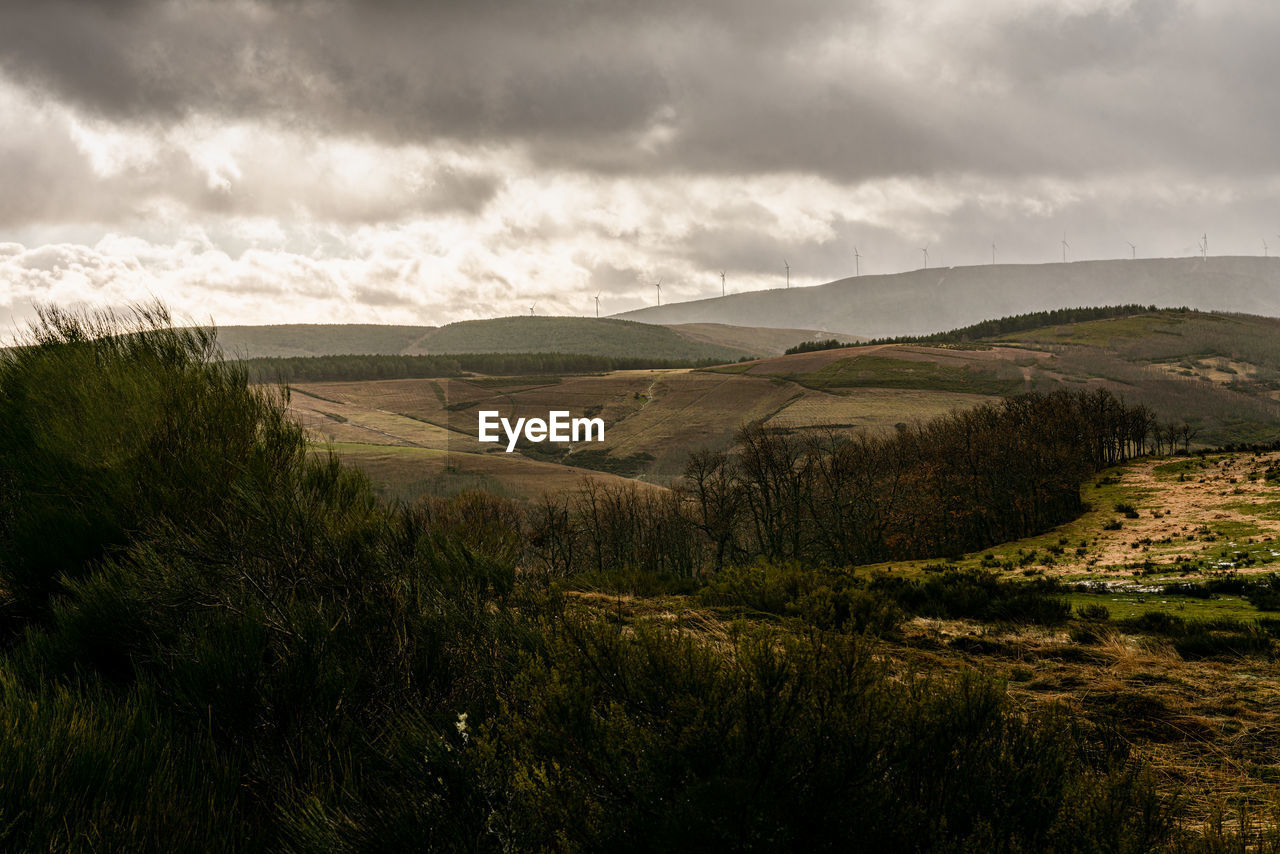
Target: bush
{"x":1093,"y":613}
{"x":680,"y":749}
{"x":1129,"y":511}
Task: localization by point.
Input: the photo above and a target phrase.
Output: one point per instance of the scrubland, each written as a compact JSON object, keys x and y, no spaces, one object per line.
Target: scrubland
{"x":216,"y":638}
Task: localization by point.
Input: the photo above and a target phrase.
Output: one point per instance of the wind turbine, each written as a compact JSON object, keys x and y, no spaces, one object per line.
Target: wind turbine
{"x":597,"y":299}
{"x":993,"y":252}
{"x":1204,"y":247}
{"x":531,"y":309}
{"x":857,"y":262}
{"x":925,"y":250}
{"x":722,"y":283}
{"x":788,"y":266}
{"x":658,"y":285}
{"x":1266,"y":250}
{"x":1133,"y":251}
{"x":1065,"y":247}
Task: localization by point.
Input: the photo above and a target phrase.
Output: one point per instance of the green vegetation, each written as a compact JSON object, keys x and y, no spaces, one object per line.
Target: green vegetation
{"x":816,"y":346}
{"x":235,"y":646}
{"x":318,"y":339}
{"x":885,"y":372}
{"x":590,"y":336}
{"x":1016,"y":323}
{"x":508,"y":335}
{"x":214,"y":638}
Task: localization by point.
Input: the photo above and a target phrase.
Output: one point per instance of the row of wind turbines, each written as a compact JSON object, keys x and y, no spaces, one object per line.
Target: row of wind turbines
{"x":1202,"y":243}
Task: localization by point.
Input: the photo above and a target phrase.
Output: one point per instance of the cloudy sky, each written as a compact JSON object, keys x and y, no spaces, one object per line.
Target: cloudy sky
{"x":420,"y":162}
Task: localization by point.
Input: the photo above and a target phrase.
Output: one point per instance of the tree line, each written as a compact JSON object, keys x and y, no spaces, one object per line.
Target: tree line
{"x":955,"y":484}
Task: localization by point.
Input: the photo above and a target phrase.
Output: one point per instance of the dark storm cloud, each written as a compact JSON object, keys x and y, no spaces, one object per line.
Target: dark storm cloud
{"x":734,"y":86}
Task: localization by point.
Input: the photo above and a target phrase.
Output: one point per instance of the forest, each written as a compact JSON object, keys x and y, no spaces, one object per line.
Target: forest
{"x":215,"y":638}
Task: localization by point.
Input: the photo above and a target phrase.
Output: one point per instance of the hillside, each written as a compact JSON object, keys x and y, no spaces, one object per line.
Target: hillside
{"x":757,"y":339}
{"x":317,"y":339}
{"x":931,"y":300}
{"x":1218,"y":373}
{"x":586,"y":335}
{"x":581,"y":335}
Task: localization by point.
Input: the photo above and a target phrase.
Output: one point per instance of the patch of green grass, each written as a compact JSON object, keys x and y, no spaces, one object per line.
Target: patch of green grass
{"x":1173,"y":468}
{"x":1258,"y":509}
{"x":1101,"y":333}
{"x":884,"y":372}
{"x":1123,"y":604}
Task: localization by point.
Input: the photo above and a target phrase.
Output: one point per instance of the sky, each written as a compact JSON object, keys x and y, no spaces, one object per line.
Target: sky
{"x":393,"y":161}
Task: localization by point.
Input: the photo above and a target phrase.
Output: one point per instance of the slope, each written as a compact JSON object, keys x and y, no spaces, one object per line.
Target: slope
{"x":591,"y":336}
{"x":579,"y":335}
{"x":317,"y":339}
{"x":1218,"y":373}
{"x":932,"y":300}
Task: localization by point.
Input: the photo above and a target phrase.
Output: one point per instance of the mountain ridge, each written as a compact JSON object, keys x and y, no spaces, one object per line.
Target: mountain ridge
{"x":929,"y":300}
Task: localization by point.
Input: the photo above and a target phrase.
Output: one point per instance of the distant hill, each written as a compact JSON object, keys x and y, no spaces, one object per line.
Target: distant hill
{"x":580,"y":335}
{"x":318,"y":339}
{"x":584,"y":335}
{"x":760,"y":340}
{"x":921,"y":302}
{"x":1220,"y":373}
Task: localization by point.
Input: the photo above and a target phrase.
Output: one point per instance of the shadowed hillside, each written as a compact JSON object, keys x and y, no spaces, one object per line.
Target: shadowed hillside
{"x":926,"y":301}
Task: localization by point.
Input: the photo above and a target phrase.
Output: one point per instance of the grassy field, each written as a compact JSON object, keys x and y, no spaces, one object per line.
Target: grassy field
{"x":654,"y":419}
{"x":1218,"y":373}
{"x":407,"y":473}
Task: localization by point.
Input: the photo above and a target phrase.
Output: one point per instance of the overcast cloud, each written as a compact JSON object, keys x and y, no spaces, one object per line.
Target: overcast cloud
{"x":420,"y":162}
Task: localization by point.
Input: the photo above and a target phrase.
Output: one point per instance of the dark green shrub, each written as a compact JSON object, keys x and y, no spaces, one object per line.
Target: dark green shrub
{"x":1129,"y":511}
{"x":109,"y":425}
{"x":1093,"y":612}
{"x":656,"y":743}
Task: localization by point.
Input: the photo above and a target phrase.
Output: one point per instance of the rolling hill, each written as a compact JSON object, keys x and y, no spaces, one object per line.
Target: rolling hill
{"x":1217,"y":373}
{"x":584,"y":335}
{"x":318,"y":339}
{"x":931,"y":300}
{"x":580,"y":335}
